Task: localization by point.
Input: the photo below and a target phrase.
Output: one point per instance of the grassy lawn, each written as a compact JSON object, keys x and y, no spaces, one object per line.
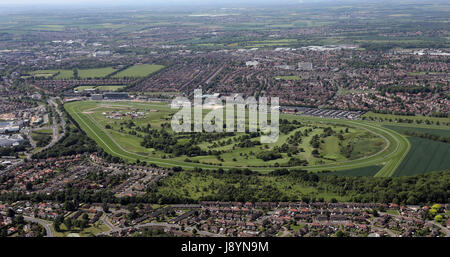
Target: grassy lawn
{"x":288,"y":77}
{"x":393,"y":212}
{"x":100,"y":88}
{"x":91,"y":230}
{"x":109,"y":88}
{"x":95,"y":73}
{"x":139,"y":70}
{"x":42,"y":137}
{"x":81,"y":88}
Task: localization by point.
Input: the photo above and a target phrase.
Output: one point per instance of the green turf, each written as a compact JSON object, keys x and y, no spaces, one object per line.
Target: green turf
{"x":127,"y":147}
{"x":368,"y":171}
{"x":139,"y":70}
{"x":288,"y":77}
{"x":81,"y":88}
{"x":95,"y":73}
{"x":109,"y":88}
{"x":433,"y":131}
{"x":425,"y":156}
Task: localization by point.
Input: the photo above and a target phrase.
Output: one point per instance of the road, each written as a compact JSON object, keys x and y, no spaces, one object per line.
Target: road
{"x":107,"y":223}
{"x":445,"y":230}
{"x":46,"y":225}
{"x":160,"y":224}
{"x":56,"y":135}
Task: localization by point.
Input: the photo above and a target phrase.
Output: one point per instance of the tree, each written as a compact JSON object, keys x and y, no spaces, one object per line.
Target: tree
{"x":438,"y":218}
{"x":84,"y":224}
{"x":105,"y":207}
{"x":19,"y":219}
{"x":69,"y":206}
{"x":85,"y":216}
{"x":68,"y":223}
{"x":11,"y":213}
{"x":29,"y":186}
{"x":56,"y":225}
{"x":340,"y":233}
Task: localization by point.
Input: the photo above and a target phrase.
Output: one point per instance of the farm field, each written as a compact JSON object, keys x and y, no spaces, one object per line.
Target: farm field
{"x":138,"y":70}
{"x":370,"y":145}
{"x":271,"y":43}
{"x":438,"y":131}
{"x":425,"y":155}
{"x":403,"y":120}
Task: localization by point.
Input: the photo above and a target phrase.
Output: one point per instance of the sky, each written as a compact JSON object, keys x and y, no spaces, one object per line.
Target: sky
{"x":125,"y":2}
{"x":105,"y":3}
{"x":61,"y":2}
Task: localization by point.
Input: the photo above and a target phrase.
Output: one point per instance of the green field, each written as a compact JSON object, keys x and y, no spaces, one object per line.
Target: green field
{"x":294,"y":77}
{"x":138,"y":70}
{"x":42,"y":137}
{"x":100,"y":88}
{"x":368,"y":171}
{"x":433,"y":131}
{"x":425,"y":156}
{"x":372,"y":145}
{"x":81,"y":88}
{"x":405,"y":120}
{"x":68,"y":73}
{"x":95,"y":73}
{"x":109,"y":88}
{"x":61,"y":74}
{"x":135,"y":71}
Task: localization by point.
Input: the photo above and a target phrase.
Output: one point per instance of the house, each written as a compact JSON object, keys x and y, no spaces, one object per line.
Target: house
{"x":322,"y":218}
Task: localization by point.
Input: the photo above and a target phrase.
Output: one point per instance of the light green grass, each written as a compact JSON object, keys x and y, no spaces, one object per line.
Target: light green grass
{"x":127,"y":147}
{"x":81,"y":88}
{"x":109,"y":88}
{"x":294,"y":77}
{"x":139,"y":70}
{"x":95,"y":73}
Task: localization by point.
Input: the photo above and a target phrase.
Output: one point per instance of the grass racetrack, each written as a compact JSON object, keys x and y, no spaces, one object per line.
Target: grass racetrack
{"x":390,"y":157}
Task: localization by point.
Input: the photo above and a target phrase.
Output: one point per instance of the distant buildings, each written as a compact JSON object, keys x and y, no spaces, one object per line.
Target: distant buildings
{"x":110,"y":96}
{"x":96,"y":97}
{"x":35,"y":120}
{"x":11,"y":126}
{"x":10,"y":140}
{"x":252,"y":63}
{"x":306,"y":66}
{"x":115,"y":96}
